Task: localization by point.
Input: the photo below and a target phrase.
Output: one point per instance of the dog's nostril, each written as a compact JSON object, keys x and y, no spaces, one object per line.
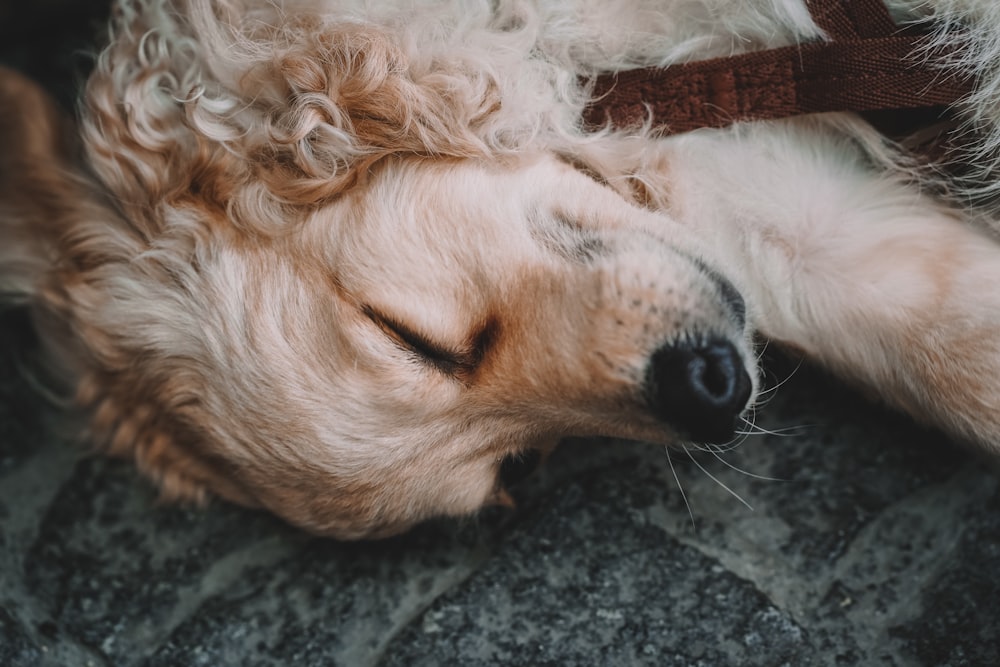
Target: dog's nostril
{"x":700,"y":389}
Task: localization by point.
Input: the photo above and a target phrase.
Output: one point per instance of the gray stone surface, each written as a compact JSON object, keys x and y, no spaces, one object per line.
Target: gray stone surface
{"x":875,"y":543}
{"x":879,"y":545}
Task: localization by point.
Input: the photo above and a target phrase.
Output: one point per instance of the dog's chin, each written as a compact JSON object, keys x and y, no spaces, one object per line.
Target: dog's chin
{"x":383,"y":506}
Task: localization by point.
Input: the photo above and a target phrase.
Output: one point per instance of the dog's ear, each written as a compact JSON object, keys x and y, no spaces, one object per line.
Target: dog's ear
{"x":35,"y":187}
{"x":352,"y":96}
{"x":54,"y":217}
{"x":57,"y":233}
{"x":253,"y":117}
{"x":166,"y":452}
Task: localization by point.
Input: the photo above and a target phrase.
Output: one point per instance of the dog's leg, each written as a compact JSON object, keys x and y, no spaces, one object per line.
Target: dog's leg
{"x":856,"y":268}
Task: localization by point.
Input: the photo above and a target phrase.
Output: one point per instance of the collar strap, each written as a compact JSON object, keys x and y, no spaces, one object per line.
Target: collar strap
{"x":869,"y":65}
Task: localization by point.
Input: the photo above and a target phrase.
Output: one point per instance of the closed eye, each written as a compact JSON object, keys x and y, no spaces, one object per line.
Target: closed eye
{"x":447,"y":360}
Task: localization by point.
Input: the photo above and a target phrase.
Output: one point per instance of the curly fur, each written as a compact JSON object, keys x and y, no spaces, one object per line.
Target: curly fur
{"x":341,"y":260}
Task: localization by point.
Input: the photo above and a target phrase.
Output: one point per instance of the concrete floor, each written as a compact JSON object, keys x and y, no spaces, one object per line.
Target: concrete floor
{"x":879,"y":545}
{"x":875,"y":543}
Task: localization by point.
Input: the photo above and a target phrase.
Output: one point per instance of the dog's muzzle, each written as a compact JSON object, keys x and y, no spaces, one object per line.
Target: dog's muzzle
{"x":699,"y":388}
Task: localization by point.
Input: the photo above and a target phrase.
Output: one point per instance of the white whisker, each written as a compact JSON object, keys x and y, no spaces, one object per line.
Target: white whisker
{"x":716,"y":480}
{"x":786,"y":432}
{"x":771,"y":390}
{"x":666,"y":450}
{"x":763,"y":349}
{"x":746,"y":472}
{"x":725,"y":447}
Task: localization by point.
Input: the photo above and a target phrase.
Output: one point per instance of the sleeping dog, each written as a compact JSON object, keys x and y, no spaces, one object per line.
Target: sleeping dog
{"x":346,"y":261}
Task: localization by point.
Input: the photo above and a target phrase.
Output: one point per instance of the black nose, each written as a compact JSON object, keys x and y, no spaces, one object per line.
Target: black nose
{"x":698,"y":388}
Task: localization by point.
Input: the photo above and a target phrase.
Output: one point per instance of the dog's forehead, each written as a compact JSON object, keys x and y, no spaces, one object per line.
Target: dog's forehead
{"x":449,"y":230}
{"x":469,"y":216}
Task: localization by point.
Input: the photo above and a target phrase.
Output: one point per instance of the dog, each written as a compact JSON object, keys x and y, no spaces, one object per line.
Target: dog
{"x":352,"y":262}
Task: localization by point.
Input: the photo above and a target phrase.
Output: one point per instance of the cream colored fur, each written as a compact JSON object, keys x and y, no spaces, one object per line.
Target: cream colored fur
{"x":342,"y":260}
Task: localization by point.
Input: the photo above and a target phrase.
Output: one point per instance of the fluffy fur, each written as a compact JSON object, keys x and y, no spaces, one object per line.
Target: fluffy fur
{"x":342,"y":261}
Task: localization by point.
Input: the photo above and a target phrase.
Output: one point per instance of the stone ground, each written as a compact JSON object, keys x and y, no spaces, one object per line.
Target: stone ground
{"x":871,"y":542}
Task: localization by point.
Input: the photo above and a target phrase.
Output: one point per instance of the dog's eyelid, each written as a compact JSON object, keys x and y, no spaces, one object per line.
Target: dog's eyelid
{"x":447,"y":360}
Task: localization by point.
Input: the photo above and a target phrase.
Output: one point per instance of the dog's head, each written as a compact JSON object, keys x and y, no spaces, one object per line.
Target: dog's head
{"x":313,"y":278}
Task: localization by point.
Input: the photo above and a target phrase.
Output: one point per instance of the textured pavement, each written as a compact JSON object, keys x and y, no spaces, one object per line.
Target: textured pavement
{"x":873,"y":542}
{"x":880,"y":545}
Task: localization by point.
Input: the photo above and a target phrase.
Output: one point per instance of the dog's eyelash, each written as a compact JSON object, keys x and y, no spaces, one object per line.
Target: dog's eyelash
{"x":446,"y":360}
